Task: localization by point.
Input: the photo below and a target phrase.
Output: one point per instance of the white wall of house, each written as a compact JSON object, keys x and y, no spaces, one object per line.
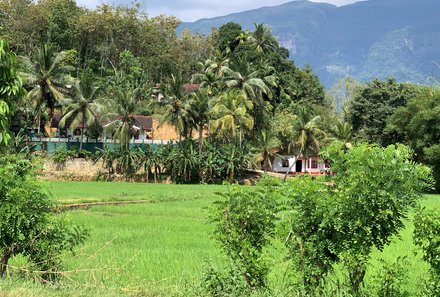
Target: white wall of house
{"x":282,"y":163}
{"x":312,"y":165}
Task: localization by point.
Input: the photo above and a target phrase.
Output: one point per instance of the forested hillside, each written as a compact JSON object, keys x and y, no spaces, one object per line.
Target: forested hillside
{"x":365,"y":40}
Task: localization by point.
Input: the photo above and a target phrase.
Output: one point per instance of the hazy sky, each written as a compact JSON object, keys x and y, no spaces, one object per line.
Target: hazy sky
{"x":191,"y":10}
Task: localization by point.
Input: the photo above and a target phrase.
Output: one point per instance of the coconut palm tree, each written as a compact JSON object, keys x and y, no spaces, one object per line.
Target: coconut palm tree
{"x":210,"y":75}
{"x":262,"y":39}
{"x":230,"y":112}
{"x":266,"y":146}
{"x":206,"y":78}
{"x":243,"y":76}
{"x":44,"y":76}
{"x":174,"y":98}
{"x":306,"y":134}
{"x":121,"y":122}
{"x":219,"y":67}
{"x":197,"y":113}
{"x":343,"y":131}
{"x":82,"y":109}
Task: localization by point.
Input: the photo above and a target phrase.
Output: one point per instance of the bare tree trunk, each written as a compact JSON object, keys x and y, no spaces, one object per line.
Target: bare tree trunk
{"x":7,"y":253}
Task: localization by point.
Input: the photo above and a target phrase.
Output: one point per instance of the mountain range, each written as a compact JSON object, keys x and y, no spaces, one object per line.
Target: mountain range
{"x":364,"y":40}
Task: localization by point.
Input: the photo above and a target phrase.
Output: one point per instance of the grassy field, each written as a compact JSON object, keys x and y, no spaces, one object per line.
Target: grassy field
{"x":78,"y":192}
{"x":161,"y":247}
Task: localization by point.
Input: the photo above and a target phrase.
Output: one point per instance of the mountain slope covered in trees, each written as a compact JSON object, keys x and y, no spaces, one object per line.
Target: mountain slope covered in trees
{"x":366,"y":40}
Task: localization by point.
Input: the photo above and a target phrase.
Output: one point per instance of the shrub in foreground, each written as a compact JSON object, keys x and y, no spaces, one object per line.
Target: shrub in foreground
{"x":337,"y":220}
{"x":427,"y":238}
{"x":27,"y":223}
{"x":245,"y":222}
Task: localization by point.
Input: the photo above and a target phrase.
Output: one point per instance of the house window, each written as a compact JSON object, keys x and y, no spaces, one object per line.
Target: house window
{"x":314,"y":164}
{"x":285,"y":163}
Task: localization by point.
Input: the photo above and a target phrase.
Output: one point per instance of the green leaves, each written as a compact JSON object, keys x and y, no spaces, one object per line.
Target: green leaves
{"x":27,"y":225}
{"x":10,"y":89}
{"x":245,"y":221}
{"x":427,"y":238}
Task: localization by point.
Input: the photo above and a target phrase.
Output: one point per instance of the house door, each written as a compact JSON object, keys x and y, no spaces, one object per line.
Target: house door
{"x":298,"y":166}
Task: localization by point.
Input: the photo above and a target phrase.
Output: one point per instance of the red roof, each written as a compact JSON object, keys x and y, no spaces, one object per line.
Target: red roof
{"x":54,"y":123}
{"x":144,"y":122}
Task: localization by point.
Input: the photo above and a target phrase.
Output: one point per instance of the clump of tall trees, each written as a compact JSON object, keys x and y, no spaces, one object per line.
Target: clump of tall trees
{"x":100,"y":67}
{"x":387,"y":112}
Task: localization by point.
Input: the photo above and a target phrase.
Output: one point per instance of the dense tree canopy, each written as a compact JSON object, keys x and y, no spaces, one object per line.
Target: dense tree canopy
{"x":372,"y":107}
{"x":418,"y":122}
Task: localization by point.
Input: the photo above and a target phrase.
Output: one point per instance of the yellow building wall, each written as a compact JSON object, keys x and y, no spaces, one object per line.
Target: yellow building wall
{"x":167,"y":132}
{"x":163,"y":132}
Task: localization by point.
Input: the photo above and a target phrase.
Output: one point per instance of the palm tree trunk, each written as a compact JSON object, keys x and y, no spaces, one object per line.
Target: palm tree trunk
{"x":290,"y":168}
{"x":38,"y":122}
{"x":82,"y":135}
{"x":200,"y":140}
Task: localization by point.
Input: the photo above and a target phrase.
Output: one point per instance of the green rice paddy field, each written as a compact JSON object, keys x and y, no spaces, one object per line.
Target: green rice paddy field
{"x":158,"y":248}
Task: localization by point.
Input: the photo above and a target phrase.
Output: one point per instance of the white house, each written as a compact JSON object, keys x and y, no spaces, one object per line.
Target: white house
{"x":299,"y":165}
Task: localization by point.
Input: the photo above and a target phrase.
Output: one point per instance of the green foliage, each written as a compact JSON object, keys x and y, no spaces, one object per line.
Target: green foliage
{"x":228,"y":37}
{"x":81,"y":109}
{"x":183,"y":162}
{"x":10,"y":89}
{"x":342,"y":219}
{"x":374,"y":190}
{"x":127,"y":161}
{"x":121,"y":122}
{"x":27,"y":225}
{"x":245,"y":221}
{"x":217,"y":283}
{"x":45,"y":77}
{"x":372,"y":106}
{"x":392,"y":278}
{"x":419,"y":124}
{"x":60,"y":156}
{"x":230,"y":112}
{"x":427,"y":238}
{"x":63,"y":17}
{"x":265,"y":147}
{"x":310,"y":238}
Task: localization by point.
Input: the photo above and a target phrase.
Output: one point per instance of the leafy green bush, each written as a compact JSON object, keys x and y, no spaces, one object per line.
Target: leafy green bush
{"x":224,"y":283}
{"x":27,"y":225}
{"x":244,"y":222}
{"x":373,"y":190}
{"x":309,"y":236}
{"x":392,"y":278}
{"x":183,"y":162}
{"x":60,"y":156}
{"x":427,"y":238}
{"x":336,"y":220}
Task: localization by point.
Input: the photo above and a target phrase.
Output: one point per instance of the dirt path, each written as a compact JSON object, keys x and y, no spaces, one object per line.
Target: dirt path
{"x":89,"y":204}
